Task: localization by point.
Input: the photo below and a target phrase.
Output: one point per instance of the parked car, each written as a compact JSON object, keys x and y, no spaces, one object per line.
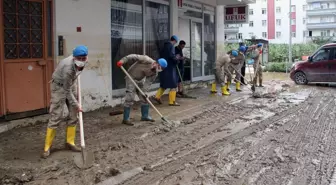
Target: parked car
{"x":320,"y":67}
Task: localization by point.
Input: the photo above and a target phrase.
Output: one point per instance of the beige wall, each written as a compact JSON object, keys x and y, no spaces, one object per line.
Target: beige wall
{"x":94,"y":19}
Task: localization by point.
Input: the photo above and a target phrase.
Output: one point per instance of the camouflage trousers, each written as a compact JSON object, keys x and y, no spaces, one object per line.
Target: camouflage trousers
{"x":58,"y":103}
{"x":235,"y":68}
{"x":258,"y":74}
{"x":131,"y":91}
{"x":220,"y":74}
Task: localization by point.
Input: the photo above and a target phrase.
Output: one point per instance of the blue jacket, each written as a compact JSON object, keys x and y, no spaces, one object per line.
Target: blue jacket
{"x":169,"y":77}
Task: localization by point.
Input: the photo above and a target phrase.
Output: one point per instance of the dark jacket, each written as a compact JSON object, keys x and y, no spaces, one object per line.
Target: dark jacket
{"x":169,"y":77}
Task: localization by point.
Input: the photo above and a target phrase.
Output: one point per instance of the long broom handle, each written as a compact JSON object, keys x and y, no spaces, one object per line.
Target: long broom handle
{"x":143,"y":94}
{"x":81,"y":127}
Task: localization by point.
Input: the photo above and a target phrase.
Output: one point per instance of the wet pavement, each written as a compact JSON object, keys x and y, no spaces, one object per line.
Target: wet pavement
{"x":287,"y":138}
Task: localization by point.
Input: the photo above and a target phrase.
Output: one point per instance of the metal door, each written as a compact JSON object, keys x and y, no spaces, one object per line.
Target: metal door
{"x":317,"y":70}
{"x":196,"y":49}
{"x":27,"y":56}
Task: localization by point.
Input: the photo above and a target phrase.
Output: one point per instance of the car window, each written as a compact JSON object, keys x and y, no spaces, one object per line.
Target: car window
{"x":334,"y":57}
{"x":322,"y":55}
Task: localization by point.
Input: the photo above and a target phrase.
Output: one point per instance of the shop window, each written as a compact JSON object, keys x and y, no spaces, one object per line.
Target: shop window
{"x":209,"y":44}
{"x":126,"y":35}
{"x":157,"y":28}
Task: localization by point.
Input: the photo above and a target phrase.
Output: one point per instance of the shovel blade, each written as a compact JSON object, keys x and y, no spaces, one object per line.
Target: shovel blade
{"x":84,"y":160}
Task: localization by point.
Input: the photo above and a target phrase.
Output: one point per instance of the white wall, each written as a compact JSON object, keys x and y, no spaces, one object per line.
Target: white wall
{"x":257,"y":18}
{"x":94,"y":18}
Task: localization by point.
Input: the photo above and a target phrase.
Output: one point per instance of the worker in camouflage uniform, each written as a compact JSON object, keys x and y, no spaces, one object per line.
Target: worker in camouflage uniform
{"x":221,"y":70}
{"x":257,"y":65}
{"x":63,"y":92}
{"x":143,"y":71}
{"x":236,"y":65}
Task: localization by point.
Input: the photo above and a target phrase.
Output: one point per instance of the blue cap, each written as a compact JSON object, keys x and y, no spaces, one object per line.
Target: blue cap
{"x":175,"y":38}
{"x":259,"y":45}
{"x":80,"y":50}
{"x":163,"y":63}
{"x":234,"y":53}
{"x":242,"y":48}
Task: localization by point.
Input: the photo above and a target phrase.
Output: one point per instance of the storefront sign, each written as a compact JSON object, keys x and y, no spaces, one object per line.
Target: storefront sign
{"x":236,"y":14}
{"x":180,"y":3}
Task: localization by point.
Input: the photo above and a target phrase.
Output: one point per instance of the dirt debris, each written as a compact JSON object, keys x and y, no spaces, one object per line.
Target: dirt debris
{"x":286,"y":139}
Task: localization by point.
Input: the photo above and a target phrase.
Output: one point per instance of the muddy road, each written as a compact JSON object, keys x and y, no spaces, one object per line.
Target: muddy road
{"x":287,"y":139}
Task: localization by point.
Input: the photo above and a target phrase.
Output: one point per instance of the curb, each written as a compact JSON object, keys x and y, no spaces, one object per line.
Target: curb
{"x":9,"y":125}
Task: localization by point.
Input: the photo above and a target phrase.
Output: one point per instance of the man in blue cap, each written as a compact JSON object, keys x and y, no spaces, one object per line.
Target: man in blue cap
{"x":64,"y":92}
{"x":169,"y":77}
{"x":222,"y":70}
{"x":236,"y":65}
{"x":143,"y":71}
{"x":257,"y":65}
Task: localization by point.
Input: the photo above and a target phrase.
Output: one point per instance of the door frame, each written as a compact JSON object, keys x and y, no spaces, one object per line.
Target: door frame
{"x":190,"y":21}
{"x":2,"y":57}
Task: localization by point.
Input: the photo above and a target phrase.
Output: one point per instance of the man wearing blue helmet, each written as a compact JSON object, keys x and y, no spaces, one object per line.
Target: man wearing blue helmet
{"x":143,"y":71}
{"x":221,"y":70}
{"x":63,"y":92}
{"x":257,"y":65}
{"x":236,"y":65}
{"x":169,"y":76}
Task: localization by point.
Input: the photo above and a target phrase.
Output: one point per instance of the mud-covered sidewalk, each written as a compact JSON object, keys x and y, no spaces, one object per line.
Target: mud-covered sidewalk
{"x":220,"y":140}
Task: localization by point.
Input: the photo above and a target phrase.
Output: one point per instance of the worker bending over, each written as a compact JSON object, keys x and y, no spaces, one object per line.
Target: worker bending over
{"x":64,"y":92}
{"x":143,"y":71}
{"x":221,"y":70}
{"x":236,"y":65}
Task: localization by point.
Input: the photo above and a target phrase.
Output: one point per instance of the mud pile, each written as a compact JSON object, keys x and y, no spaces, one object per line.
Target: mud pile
{"x":271,"y":89}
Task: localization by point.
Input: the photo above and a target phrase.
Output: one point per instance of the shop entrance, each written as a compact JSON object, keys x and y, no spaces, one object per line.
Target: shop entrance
{"x":190,"y":30}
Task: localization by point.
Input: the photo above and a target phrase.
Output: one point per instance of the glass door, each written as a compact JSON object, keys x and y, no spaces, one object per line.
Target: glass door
{"x":196,"y":47}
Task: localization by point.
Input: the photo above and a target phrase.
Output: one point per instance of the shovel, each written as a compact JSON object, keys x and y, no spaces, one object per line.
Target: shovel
{"x":86,"y":159}
{"x":147,"y":98}
{"x":184,"y":90}
{"x":252,"y":86}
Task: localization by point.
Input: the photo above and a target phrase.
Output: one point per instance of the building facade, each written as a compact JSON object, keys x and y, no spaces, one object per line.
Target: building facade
{"x":321,"y":16}
{"x":36,"y":35}
{"x":269,"y":19}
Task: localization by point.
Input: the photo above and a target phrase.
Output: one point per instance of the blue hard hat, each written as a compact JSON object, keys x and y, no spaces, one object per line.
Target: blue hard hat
{"x":234,"y":53}
{"x":163,"y":63}
{"x":259,"y":45}
{"x":242,"y":48}
{"x":80,"y":50}
{"x":175,"y":38}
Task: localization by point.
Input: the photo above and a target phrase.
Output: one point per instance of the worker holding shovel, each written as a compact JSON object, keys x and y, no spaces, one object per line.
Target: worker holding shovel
{"x":257,"y":65}
{"x":222,"y":70}
{"x":236,"y":65}
{"x":143,"y":71}
{"x":63,"y":89}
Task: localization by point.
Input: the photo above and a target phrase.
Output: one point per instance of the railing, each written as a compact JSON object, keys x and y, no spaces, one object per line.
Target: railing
{"x":329,"y":11}
{"x":324,"y":25}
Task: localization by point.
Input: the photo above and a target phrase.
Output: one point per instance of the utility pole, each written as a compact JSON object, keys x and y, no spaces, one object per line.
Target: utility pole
{"x":290,"y":36}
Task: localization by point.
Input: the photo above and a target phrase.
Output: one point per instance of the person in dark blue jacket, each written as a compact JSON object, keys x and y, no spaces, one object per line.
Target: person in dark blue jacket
{"x":169,"y":76}
{"x":179,"y":54}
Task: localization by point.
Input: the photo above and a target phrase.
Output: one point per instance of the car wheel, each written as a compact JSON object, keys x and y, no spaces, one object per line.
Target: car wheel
{"x":300,"y":78}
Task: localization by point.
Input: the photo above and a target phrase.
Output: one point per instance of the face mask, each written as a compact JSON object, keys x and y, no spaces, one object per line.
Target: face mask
{"x":79,"y":63}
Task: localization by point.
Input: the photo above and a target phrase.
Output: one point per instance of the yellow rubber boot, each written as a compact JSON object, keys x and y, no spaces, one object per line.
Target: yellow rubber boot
{"x":238,"y":86}
{"x":48,"y":142}
{"x":228,"y":86}
{"x":225,"y":92}
{"x":70,"y":139}
{"x":172,"y":98}
{"x":213,"y":88}
{"x":158,"y":95}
